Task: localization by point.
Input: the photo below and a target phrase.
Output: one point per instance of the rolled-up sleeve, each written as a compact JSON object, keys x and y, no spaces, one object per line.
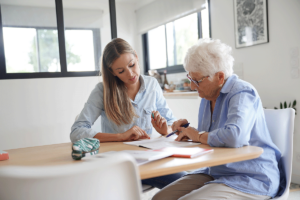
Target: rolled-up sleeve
{"x":89,"y":114}
{"x":241,"y":117}
{"x":162,"y":106}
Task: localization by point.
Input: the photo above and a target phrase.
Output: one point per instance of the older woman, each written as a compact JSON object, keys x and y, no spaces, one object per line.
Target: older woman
{"x":230,"y":115}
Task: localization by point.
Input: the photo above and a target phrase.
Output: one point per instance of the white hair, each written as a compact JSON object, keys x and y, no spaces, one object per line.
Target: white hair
{"x":208,"y":57}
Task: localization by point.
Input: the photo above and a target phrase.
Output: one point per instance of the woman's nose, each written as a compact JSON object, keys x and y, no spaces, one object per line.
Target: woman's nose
{"x":130,"y":72}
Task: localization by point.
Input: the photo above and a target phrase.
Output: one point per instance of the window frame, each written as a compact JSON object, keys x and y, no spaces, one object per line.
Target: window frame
{"x":175,"y":68}
{"x":61,"y":47}
{"x":96,"y":41}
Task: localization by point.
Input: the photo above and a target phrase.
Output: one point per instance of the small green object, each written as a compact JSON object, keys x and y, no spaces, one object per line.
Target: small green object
{"x":85,"y":147}
{"x":152,"y":115}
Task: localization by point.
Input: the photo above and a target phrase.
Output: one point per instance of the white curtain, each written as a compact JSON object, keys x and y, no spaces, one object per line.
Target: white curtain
{"x":46,"y":17}
{"x":159,"y":12}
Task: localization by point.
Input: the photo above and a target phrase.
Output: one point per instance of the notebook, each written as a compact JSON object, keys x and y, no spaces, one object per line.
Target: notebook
{"x":185,"y":152}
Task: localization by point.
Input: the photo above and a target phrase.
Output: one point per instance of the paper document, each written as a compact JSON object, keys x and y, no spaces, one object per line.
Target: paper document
{"x":141,"y":157}
{"x":161,"y":142}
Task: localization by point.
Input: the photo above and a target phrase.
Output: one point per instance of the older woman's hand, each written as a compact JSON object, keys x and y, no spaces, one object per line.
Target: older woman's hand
{"x":188,"y":133}
{"x":178,"y":124}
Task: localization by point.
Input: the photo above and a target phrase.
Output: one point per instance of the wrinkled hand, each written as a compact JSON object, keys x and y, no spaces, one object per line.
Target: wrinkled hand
{"x":135,"y":133}
{"x":159,"y":123}
{"x":177,"y":124}
{"x":188,"y":133}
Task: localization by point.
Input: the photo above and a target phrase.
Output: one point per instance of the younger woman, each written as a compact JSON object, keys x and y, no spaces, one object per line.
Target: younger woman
{"x":125,"y":100}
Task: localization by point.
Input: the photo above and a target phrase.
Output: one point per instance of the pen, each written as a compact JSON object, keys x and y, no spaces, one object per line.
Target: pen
{"x":185,"y":126}
{"x":152,"y":115}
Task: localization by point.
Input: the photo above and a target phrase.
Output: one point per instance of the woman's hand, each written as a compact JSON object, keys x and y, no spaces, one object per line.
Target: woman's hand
{"x":188,"y":133}
{"x":159,"y":123}
{"x":135,"y":133}
{"x":177,"y":124}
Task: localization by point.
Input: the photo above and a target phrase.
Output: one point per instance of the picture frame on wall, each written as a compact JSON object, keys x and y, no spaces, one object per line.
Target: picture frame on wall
{"x":251,"y":22}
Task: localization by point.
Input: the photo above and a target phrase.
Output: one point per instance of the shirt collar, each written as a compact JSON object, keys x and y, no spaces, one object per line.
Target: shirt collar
{"x":143,"y":86}
{"x":141,"y":90}
{"x":229,"y":83}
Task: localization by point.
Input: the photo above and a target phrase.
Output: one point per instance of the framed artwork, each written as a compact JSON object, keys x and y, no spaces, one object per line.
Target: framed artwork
{"x":251,"y":22}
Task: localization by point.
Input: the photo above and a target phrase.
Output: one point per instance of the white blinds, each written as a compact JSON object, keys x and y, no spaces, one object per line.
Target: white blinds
{"x":46,"y":17}
{"x":162,"y":11}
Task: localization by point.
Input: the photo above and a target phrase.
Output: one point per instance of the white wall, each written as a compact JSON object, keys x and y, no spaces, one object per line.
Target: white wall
{"x":37,"y":112}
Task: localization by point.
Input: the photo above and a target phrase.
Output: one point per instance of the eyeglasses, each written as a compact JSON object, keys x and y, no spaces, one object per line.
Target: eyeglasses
{"x":196,"y":82}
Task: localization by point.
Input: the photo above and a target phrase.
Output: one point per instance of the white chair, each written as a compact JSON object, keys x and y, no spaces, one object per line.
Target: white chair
{"x":94,"y":178}
{"x":281,"y":127}
{"x":97,"y":126}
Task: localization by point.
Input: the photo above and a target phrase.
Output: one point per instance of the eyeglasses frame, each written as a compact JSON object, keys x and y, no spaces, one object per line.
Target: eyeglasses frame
{"x":196,"y":82}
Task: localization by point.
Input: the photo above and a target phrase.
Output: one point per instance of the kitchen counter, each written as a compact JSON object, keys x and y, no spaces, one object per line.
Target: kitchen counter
{"x":181,"y":94}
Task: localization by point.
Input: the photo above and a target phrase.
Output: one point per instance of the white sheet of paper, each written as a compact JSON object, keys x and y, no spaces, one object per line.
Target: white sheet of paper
{"x":161,"y":142}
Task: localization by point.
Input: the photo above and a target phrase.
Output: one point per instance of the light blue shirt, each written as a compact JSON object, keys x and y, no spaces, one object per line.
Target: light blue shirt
{"x":149,"y":98}
{"x":238,"y":120}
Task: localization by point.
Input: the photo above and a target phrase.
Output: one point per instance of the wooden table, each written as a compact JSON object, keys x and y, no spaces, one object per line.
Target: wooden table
{"x":60,"y":154}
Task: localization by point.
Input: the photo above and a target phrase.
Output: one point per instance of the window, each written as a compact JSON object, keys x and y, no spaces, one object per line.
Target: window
{"x":46,"y":39}
{"x":165,"y":46}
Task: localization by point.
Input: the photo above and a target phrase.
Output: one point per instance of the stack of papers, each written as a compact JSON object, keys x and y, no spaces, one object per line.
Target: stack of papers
{"x":161,"y":148}
{"x":184,"y":152}
{"x":161,"y":142}
{"x":141,"y":157}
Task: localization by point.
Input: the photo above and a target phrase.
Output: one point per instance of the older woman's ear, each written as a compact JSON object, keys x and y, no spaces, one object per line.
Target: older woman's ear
{"x":221,"y":78}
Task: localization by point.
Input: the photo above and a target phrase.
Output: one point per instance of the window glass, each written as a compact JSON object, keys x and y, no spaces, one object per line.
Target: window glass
{"x":171,"y":46}
{"x":30,"y":36}
{"x":83,"y":24}
{"x":23,"y":58}
{"x":157,"y":48}
{"x":80,"y":53}
{"x":205,"y":22}
{"x":47,"y":51}
{"x":186,"y":30}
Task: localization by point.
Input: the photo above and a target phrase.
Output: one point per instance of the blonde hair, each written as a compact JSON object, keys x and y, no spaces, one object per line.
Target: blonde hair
{"x":117,"y":104}
{"x":209,"y":57}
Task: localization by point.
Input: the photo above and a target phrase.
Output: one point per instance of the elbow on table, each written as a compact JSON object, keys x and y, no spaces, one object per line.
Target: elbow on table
{"x":234,"y":137}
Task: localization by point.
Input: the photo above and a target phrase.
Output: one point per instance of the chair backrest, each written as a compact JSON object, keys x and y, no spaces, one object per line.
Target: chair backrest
{"x":111,"y":177}
{"x":281,"y":127}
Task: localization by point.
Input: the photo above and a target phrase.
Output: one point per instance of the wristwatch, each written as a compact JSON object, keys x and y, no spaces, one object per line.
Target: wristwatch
{"x":201,"y":132}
